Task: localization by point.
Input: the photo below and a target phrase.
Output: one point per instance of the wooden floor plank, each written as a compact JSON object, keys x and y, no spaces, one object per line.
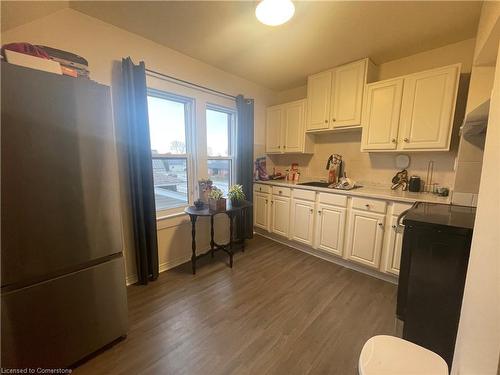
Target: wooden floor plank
{"x":278,"y":311}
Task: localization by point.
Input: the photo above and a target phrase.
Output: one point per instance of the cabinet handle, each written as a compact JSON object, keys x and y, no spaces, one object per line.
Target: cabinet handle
{"x":393,"y":226}
{"x":311,"y":210}
{"x":280,"y":192}
{"x":333,"y":120}
{"x":406,"y":140}
{"x":279,"y":146}
{"x":393,"y":140}
{"x":272,"y":202}
{"x":367,"y":205}
{"x":380,"y":225}
{"x":284,"y":146}
{"x":266,"y":203}
{"x":319,"y":212}
{"x":260,"y":189}
{"x":326,"y":121}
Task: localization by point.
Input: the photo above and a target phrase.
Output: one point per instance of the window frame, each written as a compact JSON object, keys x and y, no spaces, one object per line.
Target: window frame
{"x":231,"y":139}
{"x":189,"y":124}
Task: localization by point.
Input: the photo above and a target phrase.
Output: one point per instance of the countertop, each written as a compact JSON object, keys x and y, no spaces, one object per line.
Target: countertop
{"x":366,"y":191}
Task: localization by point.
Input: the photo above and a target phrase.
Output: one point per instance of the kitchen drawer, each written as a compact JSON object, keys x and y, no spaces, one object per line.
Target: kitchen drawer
{"x":398,"y":208}
{"x":307,"y":195}
{"x":371,"y":205}
{"x":281,"y":191}
{"x":262,"y":188}
{"x":334,"y":199}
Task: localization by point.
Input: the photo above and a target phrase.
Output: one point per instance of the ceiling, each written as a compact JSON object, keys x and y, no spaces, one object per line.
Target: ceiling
{"x":322,"y":34}
{"x":15,"y":13}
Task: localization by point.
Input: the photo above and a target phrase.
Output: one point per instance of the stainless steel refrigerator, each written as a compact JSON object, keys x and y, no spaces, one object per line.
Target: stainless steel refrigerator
{"x":63,"y":288}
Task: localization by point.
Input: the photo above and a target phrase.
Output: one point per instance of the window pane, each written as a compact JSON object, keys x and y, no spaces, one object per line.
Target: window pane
{"x":217,"y":133}
{"x":219,"y":171}
{"x":166,"y":126}
{"x":170,"y":182}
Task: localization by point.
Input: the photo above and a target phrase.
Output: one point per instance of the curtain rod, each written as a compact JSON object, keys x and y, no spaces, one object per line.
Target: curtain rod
{"x":178,"y":80}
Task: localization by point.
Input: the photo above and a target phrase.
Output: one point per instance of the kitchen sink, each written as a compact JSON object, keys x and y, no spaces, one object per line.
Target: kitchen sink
{"x":316,"y":184}
{"x":325,"y":185}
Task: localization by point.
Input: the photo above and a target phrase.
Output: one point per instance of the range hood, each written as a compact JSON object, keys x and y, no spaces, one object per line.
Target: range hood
{"x":476,"y":121}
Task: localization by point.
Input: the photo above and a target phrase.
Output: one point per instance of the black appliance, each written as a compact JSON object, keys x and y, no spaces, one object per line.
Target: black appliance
{"x":434,"y":258}
{"x":63,"y":287}
{"x":414,"y":184}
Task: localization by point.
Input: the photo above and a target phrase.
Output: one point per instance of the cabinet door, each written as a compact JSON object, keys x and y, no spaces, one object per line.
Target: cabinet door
{"x":330,"y":229}
{"x":280,"y":215}
{"x":274,"y":129}
{"x":366,"y":231}
{"x":302,"y":219}
{"x":294,"y":122}
{"x":428,"y":108}
{"x":381,"y":115}
{"x":394,"y":246}
{"x":261,"y":210}
{"x":319,"y":88}
{"x":348,"y":82}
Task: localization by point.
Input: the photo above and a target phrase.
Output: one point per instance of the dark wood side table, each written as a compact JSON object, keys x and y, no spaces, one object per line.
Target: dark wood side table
{"x":232,"y":212}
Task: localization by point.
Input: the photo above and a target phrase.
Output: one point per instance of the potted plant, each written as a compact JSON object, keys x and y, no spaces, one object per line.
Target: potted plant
{"x":236,"y":195}
{"x":204,"y":187}
{"x":215,"y":200}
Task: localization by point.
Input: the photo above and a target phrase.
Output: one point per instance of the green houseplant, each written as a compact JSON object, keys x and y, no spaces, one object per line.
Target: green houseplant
{"x":236,"y":195}
{"x":215,"y":200}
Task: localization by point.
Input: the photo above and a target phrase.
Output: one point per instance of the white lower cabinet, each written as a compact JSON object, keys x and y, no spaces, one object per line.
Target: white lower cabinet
{"x":365,"y":235}
{"x":261,"y":210}
{"x":280,"y":215}
{"x":348,"y":227}
{"x":330,"y":228}
{"x":302,"y":221}
{"x":394,"y":246}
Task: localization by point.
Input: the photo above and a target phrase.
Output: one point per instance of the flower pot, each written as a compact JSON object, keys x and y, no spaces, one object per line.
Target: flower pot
{"x":236,"y":202}
{"x":217,"y":204}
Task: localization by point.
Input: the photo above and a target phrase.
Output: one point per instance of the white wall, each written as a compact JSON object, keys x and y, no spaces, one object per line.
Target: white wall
{"x":104,"y":45}
{"x":379,"y":168}
{"x":477,"y":347}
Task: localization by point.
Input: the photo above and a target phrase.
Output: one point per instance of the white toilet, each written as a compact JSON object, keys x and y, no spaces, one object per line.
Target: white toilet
{"x":389,"y":355}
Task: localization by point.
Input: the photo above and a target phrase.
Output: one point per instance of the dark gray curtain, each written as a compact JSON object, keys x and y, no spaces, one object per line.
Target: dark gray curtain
{"x":140,"y":169}
{"x":244,"y":158}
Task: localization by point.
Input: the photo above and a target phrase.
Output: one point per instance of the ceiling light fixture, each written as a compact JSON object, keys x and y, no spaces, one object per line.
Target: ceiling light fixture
{"x":274,"y":12}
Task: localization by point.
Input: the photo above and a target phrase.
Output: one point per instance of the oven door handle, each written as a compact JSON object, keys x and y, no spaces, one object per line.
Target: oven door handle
{"x":402,"y":215}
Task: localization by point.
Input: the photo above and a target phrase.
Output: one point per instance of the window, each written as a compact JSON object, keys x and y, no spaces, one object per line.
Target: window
{"x":168,"y":120}
{"x":220,"y":150}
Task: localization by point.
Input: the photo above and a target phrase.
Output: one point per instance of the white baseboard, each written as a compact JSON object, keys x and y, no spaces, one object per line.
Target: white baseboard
{"x":328,"y":257}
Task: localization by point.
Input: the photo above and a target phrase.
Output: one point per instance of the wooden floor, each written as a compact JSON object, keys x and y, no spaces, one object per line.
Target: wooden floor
{"x":278,"y":311}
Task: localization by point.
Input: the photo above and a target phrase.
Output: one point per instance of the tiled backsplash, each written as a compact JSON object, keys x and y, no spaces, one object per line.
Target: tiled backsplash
{"x":365,"y":168}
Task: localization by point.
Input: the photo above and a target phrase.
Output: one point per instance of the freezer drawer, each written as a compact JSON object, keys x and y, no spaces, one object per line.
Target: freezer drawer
{"x":57,"y":322}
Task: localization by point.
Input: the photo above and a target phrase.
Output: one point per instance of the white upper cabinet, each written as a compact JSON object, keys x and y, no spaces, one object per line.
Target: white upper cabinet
{"x":335,"y":97}
{"x":428,"y":107}
{"x":319,"y":88}
{"x":286,"y":129}
{"x":381,"y":115}
{"x":274,"y":133}
{"x":348,"y":83}
{"x":413,"y":112}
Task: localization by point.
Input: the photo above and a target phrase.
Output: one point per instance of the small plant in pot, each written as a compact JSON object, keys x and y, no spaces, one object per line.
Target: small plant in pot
{"x":215,"y":200}
{"x":236,"y":195}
